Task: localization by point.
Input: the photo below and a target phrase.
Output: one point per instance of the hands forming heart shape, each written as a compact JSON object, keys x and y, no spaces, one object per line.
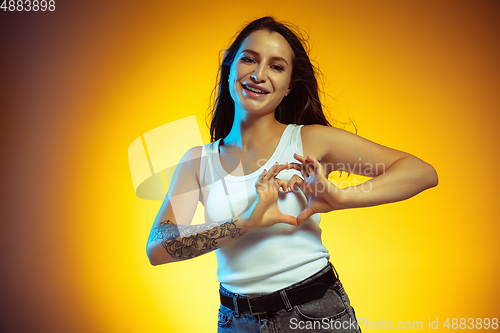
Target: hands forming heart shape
{"x":322,"y":196}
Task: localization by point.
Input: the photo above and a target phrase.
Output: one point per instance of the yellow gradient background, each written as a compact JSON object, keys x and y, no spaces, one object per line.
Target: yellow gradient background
{"x":80,"y":84}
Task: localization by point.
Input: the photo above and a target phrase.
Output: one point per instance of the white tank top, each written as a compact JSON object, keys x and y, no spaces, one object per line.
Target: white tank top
{"x":269,"y":259}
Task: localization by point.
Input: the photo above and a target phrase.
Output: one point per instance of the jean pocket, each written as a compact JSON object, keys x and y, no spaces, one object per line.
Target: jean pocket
{"x":225,"y":316}
{"x":330,"y":306}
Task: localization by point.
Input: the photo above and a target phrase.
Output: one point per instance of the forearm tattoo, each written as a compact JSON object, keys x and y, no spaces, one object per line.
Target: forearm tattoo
{"x":189,"y":241}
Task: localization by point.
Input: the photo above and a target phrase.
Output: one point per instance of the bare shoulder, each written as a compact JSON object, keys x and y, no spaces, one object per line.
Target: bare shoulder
{"x":188,"y":168}
{"x":317,"y":131}
{"x":316,"y":139}
{"x":192,"y":159}
{"x":186,"y":175}
{"x":193,"y":153}
{"x":340,"y":147}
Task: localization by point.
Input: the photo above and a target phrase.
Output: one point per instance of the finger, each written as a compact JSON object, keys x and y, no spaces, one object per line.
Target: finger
{"x":299,"y":158}
{"x":300,"y":167}
{"x":304,"y":215}
{"x":271,"y":171}
{"x":296,"y":166}
{"x":288,"y":220}
{"x":310,"y":169}
{"x":280,"y":168}
{"x":275,"y":185}
{"x":312,"y":165}
{"x":261,"y":178}
{"x":318,"y":168}
{"x":272,"y":183}
{"x":276,"y":169}
{"x":295,"y":180}
{"x":283,"y":184}
{"x":305,"y":160}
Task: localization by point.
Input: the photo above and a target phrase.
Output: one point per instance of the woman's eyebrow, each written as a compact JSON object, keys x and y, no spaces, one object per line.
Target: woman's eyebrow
{"x":254,"y":53}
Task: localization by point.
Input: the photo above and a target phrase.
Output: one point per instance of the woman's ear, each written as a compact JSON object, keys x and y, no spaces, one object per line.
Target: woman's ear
{"x":290,"y":87}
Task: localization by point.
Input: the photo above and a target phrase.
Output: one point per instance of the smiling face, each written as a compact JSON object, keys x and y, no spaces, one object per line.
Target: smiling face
{"x":260,"y":75}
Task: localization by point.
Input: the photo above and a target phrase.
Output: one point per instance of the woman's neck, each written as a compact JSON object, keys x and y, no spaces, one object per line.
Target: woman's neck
{"x":248,"y":132}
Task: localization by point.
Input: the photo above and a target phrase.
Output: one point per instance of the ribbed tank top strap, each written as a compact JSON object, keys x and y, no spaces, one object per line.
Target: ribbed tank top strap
{"x":296,"y":140}
{"x":290,"y":140}
{"x":206,"y":164}
{"x":207,"y":170}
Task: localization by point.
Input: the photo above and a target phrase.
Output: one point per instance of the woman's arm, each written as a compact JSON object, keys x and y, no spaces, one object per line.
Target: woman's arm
{"x":172,"y":238}
{"x":396,"y":175}
{"x":170,"y":242}
{"x":403,"y":179}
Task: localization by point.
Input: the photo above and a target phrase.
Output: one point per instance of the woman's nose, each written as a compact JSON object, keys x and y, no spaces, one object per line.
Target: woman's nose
{"x":258,"y":75}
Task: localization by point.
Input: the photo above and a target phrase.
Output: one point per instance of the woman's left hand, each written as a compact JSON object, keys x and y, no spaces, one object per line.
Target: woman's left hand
{"x":322,"y":196}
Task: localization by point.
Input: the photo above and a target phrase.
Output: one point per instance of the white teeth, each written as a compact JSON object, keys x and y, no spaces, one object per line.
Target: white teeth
{"x":255,"y":90}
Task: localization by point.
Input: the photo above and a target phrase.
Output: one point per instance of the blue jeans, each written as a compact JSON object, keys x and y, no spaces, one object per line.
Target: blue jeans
{"x":331,"y":313}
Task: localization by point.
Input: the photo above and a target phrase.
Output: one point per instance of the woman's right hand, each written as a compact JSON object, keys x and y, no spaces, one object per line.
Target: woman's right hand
{"x":265,"y":211}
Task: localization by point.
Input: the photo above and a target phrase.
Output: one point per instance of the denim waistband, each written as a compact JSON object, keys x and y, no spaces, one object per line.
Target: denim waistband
{"x":322,"y":271}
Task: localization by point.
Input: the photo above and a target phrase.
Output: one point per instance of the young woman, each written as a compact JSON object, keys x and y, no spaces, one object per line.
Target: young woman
{"x":263,"y":181}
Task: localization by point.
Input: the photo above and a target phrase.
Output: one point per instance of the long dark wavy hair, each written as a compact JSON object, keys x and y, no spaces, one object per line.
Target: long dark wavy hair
{"x":302,"y":106}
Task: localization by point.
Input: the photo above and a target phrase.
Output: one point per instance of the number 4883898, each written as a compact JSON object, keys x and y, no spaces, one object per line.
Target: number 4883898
{"x":28,"y":5}
{"x":478,"y":323}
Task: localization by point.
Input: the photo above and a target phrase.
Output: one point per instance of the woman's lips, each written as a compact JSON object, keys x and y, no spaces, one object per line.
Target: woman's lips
{"x":254,"y":90}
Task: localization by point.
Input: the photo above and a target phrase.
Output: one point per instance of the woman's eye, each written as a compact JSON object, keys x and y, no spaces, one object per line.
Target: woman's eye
{"x":246,"y":59}
{"x":278,"y":68}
